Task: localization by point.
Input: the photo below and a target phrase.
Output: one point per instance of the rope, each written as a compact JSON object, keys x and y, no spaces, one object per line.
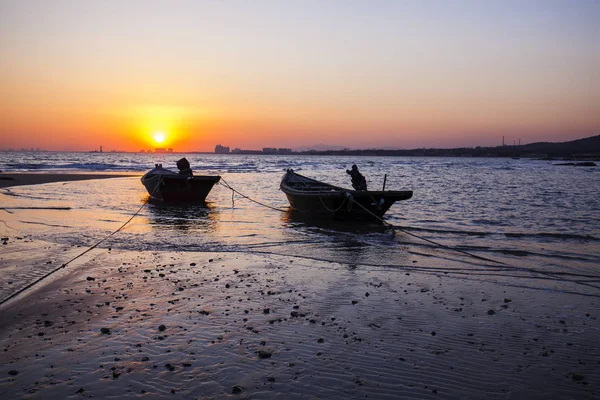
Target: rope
{"x":12,"y":296}
{"x":337,"y":209}
{"x":225,"y":184}
{"x":420,"y":237}
{"x":350,"y":202}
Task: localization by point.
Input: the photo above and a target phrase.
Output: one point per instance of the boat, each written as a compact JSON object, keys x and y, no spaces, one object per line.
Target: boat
{"x":167,"y":186}
{"x":316,"y":198}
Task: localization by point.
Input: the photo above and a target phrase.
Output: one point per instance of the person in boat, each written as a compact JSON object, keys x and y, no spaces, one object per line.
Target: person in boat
{"x":358,"y":180}
{"x":184,"y":167}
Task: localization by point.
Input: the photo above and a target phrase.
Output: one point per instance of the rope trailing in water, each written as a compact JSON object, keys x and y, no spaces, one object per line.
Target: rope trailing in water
{"x":549,"y":274}
{"x":225,"y":184}
{"x":12,"y":296}
{"x":420,"y":237}
{"x":351,"y":201}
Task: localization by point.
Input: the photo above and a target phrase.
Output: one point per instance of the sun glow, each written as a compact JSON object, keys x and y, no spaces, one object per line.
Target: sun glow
{"x":159,"y":137}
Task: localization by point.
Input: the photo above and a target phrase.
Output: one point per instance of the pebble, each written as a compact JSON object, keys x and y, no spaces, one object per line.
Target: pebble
{"x":105,"y":331}
{"x":162,"y":328}
{"x":264,"y":354}
{"x":236,"y":389}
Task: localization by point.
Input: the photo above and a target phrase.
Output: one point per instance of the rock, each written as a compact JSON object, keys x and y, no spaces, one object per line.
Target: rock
{"x":264,"y":354}
{"x":266,"y":311}
{"x":105,"y":331}
{"x":491,"y":312}
{"x":90,"y":278}
{"x":80,"y":390}
{"x":507,"y":300}
{"x":162,"y":328}
{"x":237,"y":389}
{"x":354,"y":302}
{"x":13,"y":372}
{"x":169,"y":367}
{"x":433,"y":333}
{"x":577,"y":377}
{"x":320,"y":340}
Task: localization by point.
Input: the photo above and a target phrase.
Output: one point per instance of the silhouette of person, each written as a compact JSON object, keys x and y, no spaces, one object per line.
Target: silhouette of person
{"x":358,"y":181}
{"x":184,"y":167}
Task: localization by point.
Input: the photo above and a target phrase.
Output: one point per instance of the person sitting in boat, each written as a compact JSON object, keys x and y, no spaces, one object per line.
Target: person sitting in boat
{"x":184,"y":167}
{"x":358,"y":181}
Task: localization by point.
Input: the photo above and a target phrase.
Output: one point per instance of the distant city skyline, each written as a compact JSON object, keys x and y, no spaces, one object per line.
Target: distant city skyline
{"x":359,"y":74}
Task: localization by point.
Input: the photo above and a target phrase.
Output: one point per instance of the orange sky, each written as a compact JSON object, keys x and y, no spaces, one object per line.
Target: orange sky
{"x":74,"y":76}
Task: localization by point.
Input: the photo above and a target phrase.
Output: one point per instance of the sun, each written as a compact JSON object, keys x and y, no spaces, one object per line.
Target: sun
{"x":159,"y":136}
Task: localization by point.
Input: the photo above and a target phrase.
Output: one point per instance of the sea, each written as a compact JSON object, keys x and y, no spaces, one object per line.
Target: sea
{"x":493,"y":215}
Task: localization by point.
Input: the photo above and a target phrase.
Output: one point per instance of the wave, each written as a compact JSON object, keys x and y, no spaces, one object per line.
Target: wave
{"x":571,"y":236}
{"x":517,"y":235}
{"x":95,"y":167}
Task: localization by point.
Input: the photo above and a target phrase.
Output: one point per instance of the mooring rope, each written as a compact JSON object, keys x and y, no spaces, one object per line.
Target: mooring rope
{"x":395,"y":227}
{"x":225,"y":184}
{"x":351,"y":200}
{"x":12,"y":296}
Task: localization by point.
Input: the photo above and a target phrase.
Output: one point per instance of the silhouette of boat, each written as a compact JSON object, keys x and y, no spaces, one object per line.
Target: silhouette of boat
{"x":315,"y":198}
{"x":168,"y":186}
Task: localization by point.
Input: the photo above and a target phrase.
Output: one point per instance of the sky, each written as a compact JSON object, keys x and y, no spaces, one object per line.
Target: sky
{"x":78,"y":74}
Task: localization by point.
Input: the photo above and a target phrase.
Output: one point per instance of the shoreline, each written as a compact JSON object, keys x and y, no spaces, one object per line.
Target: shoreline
{"x":10,"y":179}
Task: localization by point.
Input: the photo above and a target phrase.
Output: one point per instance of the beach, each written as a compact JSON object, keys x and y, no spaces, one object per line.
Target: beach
{"x":122,"y":323}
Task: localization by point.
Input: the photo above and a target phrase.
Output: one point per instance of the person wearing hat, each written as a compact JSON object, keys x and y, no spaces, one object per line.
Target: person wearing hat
{"x":358,"y":181}
{"x":184,"y":167}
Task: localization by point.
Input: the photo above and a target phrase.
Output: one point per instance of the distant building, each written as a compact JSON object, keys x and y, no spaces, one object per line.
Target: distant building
{"x":221,"y":149}
{"x":272,"y":150}
{"x":170,"y":150}
{"x":160,"y":150}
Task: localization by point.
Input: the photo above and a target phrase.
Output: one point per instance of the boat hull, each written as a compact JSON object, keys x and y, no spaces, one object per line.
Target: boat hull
{"x":174,"y":188}
{"x":320,"y":199}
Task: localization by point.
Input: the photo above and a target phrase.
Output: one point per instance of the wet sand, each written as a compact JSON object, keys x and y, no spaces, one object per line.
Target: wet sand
{"x":118,"y":324}
{"x":33,"y":178}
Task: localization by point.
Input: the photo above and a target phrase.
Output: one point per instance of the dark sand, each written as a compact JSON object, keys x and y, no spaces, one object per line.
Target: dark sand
{"x":211,"y":325}
{"x":36,"y":178}
{"x":185,"y":325}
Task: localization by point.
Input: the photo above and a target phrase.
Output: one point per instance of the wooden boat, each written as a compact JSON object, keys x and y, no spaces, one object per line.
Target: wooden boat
{"x":168,"y":186}
{"x":314,"y":198}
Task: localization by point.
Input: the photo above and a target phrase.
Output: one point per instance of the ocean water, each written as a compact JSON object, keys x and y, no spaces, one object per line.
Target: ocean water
{"x":530,"y":216}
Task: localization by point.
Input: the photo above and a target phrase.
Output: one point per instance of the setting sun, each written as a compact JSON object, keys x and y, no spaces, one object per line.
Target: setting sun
{"x":159,"y":137}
